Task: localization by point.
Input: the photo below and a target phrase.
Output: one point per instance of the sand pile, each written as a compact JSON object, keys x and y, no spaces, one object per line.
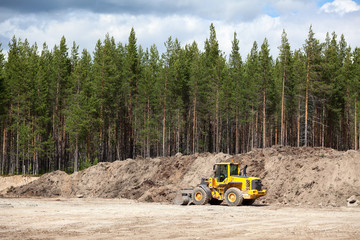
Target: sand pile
{"x":14,"y":181}
{"x":155,"y":179}
{"x":310,"y":176}
{"x":295,"y":176}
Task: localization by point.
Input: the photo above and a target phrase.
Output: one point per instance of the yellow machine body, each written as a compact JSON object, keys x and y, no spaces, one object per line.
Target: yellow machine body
{"x":228,"y":184}
{"x":227,"y":175}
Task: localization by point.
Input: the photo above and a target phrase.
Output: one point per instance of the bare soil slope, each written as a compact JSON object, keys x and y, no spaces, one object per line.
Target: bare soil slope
{"x":14,"y":181}
{"x":311,"y":176}
{"x":295,"y":176}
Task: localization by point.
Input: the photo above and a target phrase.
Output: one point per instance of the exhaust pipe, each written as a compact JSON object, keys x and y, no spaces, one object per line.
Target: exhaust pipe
{"x":244,"y":171}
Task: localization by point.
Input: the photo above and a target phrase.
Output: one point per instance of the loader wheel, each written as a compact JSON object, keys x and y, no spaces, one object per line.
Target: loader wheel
{"x":199,"y":196}
{"x":233,"y":197}
{"x":248,"y":202}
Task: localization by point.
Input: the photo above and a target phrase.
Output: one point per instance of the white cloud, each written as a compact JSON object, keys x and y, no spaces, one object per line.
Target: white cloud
{"x":86,"y":27}
{"x":340,"y":7}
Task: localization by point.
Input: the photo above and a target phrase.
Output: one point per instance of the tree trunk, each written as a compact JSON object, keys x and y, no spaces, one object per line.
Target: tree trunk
{"x":164,"y":121}
{"x":37,"y":159}
{"x":237,"y":131}
{"x":63,"y":144}
{"x":355,"y":126}
{"x":347,"y":109}
{"x":178,"y":133}
{"x":307,"y":101}
{"x":109,"y":149}
{"x":17,"y":141}
{"x":264,"y":119}
{"x":4,"y":157}
{"x":313,"y":130}
{"x":323,"y":127}
{"x":76,"y":154}
{"x":298,"y":124}
{"x":217,"y":122}
{"x":148,"y":130}
{"x":194,"y":125}
{"x":118,"y":135}
{"x":102,"y":111}
{"x":188,"y":134}
{"x":227,"y":131}
{"x":256,"y":130}
{"x":56,"y":130}
{"x":169,"y":141}
{"x":270,"y":126}
{"x":276,"y":131}
{"x":282,"y":124}
{"x":135,"y":127}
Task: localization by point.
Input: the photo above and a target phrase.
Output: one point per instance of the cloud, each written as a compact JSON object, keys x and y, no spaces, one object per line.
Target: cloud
{"x":340,"y":7}
{"x":86,"y":21}
{"x":85,"y":28}
{"x":214,"y":9}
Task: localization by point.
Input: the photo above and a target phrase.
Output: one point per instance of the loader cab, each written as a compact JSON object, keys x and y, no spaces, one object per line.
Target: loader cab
{"x":224,"y":170}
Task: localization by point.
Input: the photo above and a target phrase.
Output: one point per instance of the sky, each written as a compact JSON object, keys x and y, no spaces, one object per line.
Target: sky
{"x":154,"y":21}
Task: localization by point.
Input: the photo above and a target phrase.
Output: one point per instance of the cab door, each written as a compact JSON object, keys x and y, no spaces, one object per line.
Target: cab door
{"x":221,"y":173}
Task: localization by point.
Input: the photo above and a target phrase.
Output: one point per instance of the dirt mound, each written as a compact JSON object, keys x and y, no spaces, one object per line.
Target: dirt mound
{"x":155,"y":179}
{"x":14,"y":181}
{"x":306,"y":176}
{"x":295,"y":176}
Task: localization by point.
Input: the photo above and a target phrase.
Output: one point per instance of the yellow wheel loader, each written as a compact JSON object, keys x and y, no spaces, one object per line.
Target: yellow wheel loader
{"x":228,"y":184}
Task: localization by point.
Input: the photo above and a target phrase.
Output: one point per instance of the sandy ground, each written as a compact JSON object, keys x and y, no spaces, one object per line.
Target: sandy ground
{"x":85,"y":218}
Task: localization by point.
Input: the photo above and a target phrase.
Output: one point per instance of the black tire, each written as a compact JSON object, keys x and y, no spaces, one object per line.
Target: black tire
{"x":233,"y":197}
{"x":248,"y":202}
{"x":199,"y":196}
{"x":215,"y":201}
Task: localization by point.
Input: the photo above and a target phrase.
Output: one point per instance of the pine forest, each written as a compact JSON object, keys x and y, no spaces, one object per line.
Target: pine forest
{"x":67,"y":109}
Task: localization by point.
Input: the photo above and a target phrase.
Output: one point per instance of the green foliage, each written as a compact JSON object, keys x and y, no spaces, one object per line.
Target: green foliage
{"x":85,"y":163}
{"x":67,"y":109}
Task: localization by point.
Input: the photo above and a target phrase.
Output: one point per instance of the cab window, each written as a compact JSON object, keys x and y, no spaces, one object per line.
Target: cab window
{"x":234,"y":169}
{"x":221,"y":172}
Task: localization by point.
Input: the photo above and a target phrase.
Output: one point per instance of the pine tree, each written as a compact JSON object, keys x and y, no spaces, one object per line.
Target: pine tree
{"x":296,"y":86}
{"x":213,"y":76}
{"x":61,"y":71}
{"x":104,"y":74}
{"x":347,"y":75}
{"x":131,"y":75}
{"x":197,"y":96}
{"x":78,"y":118}
{"x":2,"y":113}
{"x":330,"y":70}
{"x":285,"y":57}
{"x":239,"y":89}
{"x":356,"y":94}
{"x":44,"y":105}
{"x":312,"y":50}
{"x":265,"y":76}
{"x":252,"y":71}
{"x":148,"y":100}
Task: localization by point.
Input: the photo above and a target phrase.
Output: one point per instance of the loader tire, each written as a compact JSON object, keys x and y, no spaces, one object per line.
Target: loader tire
{"x":199,"y":196}
{"x":233,"y":197}
{"x":248,"y":202}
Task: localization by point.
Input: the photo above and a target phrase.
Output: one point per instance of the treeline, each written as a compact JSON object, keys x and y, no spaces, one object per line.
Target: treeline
{"x":66,"y":109}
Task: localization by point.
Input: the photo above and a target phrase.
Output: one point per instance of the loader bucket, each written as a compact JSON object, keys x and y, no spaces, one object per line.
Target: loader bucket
{"x":183,"y":197}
